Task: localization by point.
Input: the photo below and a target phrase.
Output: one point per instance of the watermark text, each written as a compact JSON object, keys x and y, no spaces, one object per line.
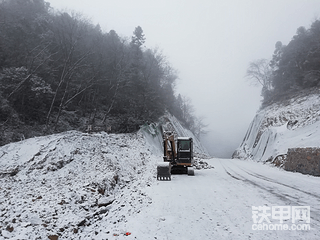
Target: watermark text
{"x":287,"y":218}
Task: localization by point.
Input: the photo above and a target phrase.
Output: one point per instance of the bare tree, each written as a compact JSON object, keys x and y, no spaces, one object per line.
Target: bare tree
{"x":260,"y":72}
{"x":200,"y":127}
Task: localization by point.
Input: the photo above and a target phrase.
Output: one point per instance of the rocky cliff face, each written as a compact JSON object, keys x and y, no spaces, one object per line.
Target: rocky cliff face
{"x":153,"y":134}
{"x":293,"y":123}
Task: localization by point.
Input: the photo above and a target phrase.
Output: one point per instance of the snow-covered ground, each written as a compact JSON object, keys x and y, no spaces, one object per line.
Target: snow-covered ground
{"x":290,"y":124}
{"x":217,"y":203}
{"x":103,"y":186}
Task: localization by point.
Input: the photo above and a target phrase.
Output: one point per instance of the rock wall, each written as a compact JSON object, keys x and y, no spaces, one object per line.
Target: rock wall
{"x":294,"y":123}
{"x":303,"y":160}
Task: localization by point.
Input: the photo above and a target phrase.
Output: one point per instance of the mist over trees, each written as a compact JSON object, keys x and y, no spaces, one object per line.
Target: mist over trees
{"x":293,"y":67}
{"x":58,"y":71}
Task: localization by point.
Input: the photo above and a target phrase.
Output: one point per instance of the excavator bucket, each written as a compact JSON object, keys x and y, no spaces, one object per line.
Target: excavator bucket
{"x":164,"y":171}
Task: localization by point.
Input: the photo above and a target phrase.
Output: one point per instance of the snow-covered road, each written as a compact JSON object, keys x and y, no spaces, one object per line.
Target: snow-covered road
{"x":217,"y":204}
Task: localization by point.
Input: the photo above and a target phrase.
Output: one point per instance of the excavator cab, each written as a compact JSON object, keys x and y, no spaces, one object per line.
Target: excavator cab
{"x":185,"y":151}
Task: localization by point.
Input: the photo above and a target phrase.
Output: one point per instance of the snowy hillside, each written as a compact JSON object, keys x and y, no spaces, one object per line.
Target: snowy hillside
{"x":76,"y":185}
{"x":61,"y":184}
{"x":293,"y":123}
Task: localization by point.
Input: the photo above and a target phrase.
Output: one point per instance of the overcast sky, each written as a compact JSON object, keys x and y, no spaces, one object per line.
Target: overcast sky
{"x":210,"y":43}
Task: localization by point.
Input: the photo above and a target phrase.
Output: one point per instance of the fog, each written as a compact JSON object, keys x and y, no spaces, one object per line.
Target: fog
{"x":210,"y":43}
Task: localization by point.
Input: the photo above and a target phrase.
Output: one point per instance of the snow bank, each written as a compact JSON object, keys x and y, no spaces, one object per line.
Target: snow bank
{"x":72,"y":185}
{"x":281,"y":126}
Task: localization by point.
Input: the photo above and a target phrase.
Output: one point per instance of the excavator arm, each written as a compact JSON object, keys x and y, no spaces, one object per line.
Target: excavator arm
{"x":169,"y":147}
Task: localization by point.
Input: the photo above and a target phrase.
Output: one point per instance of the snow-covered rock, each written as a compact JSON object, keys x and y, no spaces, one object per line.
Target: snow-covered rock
{"x":289,"y":124}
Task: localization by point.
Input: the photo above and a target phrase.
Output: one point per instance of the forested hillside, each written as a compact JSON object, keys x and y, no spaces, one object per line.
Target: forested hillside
{"x":289,"y":117}
{"x":293,"y":67}
{"x":59,"y":71}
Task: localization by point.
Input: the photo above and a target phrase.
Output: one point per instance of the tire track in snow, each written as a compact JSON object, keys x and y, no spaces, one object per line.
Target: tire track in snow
{"x":288,"y":199}
{"x":271,"y":180}
{"x":242,"y":178}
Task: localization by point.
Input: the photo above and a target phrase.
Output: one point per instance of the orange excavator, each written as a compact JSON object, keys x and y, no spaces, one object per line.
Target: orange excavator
{"x":178,"y":157}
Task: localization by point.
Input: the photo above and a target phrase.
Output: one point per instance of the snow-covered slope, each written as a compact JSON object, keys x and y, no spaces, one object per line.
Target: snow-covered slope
{"x":293,"y":123}
{"x":64,"y":184}
{"x":75,"y":185}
